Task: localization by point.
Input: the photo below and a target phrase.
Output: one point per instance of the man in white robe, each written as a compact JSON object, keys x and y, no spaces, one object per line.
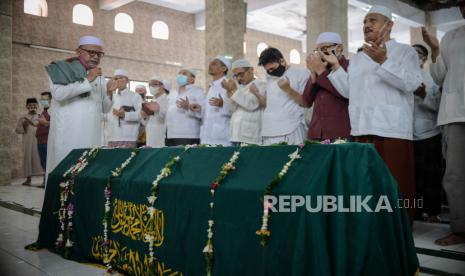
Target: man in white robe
{"x":183,"y":126}
{"x":77,"y":104}
{"x":215,"y":114}
{"x":380,"y":84}
{"x":246,"y":99}
{"x":447,"y":71}
{"x":125,"y":117}
{"x":154,"y":114}
{"x":283,"y":117}
{"x":27,"y":126}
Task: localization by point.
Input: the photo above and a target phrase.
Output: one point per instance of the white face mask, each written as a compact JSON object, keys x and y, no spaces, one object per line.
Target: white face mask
{"x":154,"y":89}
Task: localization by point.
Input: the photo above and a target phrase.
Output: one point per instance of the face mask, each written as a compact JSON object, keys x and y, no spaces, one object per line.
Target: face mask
{"x":154,"y":89}
{"x":278,"y":72}
{"x":44,"y":103}
{"x":87,"y":66}
{"x":181,"y":80}
{"x":142,"y":95}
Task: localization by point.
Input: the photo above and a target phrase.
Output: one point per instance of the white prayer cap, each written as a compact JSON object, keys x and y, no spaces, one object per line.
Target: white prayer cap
{"x":140,"y":86}
{"x":88,"y":39}
{"x":226,"y":61}
{"x":121,"y":72}
{"x":381,"y":10}
{"x":155,"y":78}
{"x":190,"y":70}
{"x":166,"y":84}
{"x":241,"y":63}
{"x":329,"y":37}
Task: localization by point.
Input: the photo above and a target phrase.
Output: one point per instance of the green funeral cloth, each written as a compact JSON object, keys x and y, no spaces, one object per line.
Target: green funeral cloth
{"x":65,"y":72}
{"x":301,"y":242}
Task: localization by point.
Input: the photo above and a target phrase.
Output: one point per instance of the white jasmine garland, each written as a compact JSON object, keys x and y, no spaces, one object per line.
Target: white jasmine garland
{"x":164,"y":173}
{"x":264,"y":232}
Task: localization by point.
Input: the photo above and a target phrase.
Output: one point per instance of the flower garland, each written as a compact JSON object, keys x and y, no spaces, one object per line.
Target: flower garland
{"x":164,"y":173}
{"x":107,"y":194}
{"x":264,"y":232}
{"x":225,"y":170}
{"x":336,"y":141}
{"x":65,"y":213}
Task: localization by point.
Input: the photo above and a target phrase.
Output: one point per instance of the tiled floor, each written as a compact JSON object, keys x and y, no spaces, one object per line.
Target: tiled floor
{"x":18,"y":229}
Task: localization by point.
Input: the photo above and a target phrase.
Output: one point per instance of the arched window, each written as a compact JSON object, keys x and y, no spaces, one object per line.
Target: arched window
{"x":83,"y":15}
{"x":294,"y":56}
{"x":160,"y":30}
{"x":260,"y":47}
{"x":124,"y":23}
{"x":36,"y":7}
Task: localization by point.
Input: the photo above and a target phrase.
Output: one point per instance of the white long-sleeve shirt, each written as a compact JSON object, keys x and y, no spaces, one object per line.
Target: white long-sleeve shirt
{"x":282,"y":115}
{"x":448,"y":72}
{"x":182,"y":123}
{"x":155,"y":125}
{"x":75,"y":118}
{"x":246,"y":118}
{"x":125,"y":129}
{"x":215,"y":120}
{"x":381,"y":96}
{"x":426,"y":110}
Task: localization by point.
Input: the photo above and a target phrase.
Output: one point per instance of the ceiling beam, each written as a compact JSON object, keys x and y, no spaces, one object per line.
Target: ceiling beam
{"x":405,"y":13}
{"x":112,"y":4}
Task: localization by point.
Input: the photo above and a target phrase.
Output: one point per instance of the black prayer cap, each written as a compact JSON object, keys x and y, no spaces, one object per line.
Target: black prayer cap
{"x":31,"y":101}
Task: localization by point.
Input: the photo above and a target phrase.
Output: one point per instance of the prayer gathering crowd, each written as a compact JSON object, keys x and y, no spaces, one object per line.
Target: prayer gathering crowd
{"x":414,"y":116}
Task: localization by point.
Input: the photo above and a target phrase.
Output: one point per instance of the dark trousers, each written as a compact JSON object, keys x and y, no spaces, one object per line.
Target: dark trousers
{"x":172,"y":142}
{"x":429,"y":169}
{"x":42,"y":148}
{"x":399,"y":158}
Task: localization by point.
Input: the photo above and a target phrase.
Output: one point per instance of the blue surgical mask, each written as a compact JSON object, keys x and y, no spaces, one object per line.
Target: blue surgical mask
{"x":181,"y":80}
{"x":44,"y":103}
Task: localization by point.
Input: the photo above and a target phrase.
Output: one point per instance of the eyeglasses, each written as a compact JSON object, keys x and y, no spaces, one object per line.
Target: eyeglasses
{"x":93,"y":53}
{"x":240,"y":75}
{"x":325,"y":48}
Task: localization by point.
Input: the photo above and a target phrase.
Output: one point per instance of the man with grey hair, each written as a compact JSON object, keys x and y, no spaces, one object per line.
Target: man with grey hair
{"x":80,"y":95}
{"x":448,"y":70}
{"x":380,"y":84}
{"x":245,"y":98}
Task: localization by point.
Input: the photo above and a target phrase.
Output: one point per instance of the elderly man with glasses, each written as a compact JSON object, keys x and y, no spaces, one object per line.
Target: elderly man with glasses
{"x":330,"y":119}
{"x":80,"y":95}
{"x":246,"y":99}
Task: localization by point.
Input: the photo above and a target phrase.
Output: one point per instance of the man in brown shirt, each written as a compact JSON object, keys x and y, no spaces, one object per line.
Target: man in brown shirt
{"x":330,"y":118}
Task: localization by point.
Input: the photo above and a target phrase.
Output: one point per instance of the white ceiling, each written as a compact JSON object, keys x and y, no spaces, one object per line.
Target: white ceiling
{"x":287,"y":17}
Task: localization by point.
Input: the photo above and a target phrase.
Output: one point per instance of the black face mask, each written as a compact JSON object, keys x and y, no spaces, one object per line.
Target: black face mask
{"x":278,"y":72}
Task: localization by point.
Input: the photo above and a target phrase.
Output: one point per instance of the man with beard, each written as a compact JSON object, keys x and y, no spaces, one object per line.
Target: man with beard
{"x":448,"y":70}
{"x":79,"y":97}
{"x":380,"y":84}
{"x":245,"y":98}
